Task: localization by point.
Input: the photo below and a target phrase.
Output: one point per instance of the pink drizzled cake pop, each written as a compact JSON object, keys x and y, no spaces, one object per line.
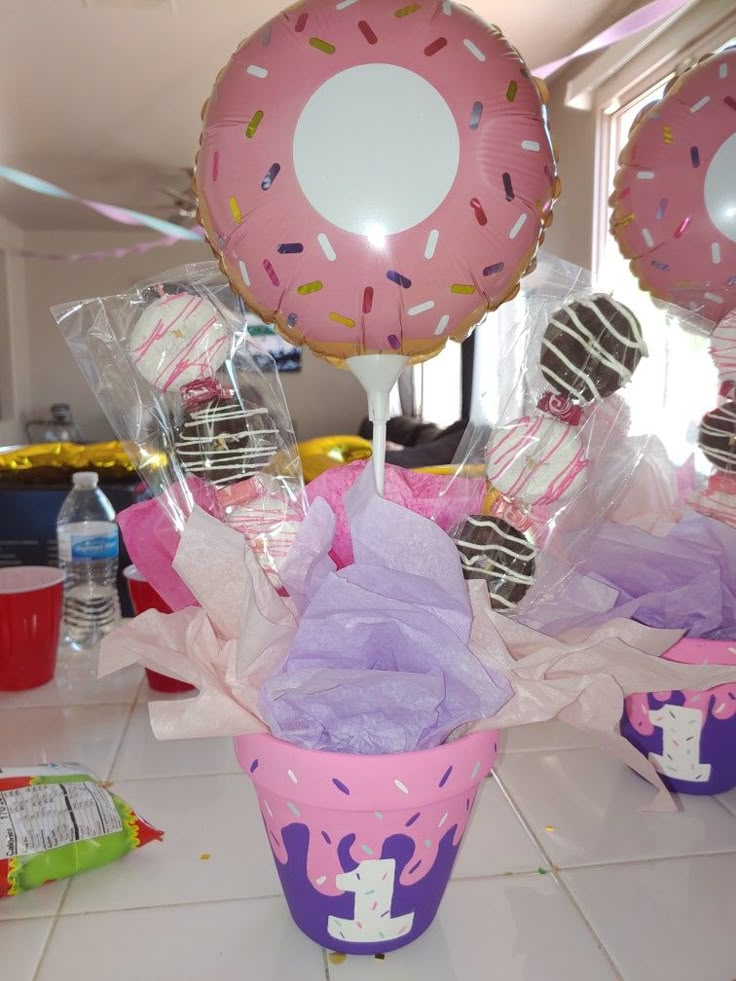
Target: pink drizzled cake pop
{"x":179,"y":339}
{"x":264,"y":512}
{"x":718,"y":500}
{"x":674,"y":203}
{"x":536,"y":460}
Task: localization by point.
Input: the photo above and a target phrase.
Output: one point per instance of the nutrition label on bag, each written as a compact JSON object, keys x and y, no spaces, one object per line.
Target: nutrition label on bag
{"x":44,"y":816}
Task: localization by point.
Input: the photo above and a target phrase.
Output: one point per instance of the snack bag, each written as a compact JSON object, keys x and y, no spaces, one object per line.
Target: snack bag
{"x":56,"y":821}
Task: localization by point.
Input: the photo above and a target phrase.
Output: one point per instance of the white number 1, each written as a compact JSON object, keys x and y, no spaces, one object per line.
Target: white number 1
{"x":681,"y":728}
{"x":373,"y":885}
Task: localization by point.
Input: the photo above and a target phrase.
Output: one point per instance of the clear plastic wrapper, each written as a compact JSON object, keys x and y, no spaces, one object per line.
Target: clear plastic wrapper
{"x":174,"y":369}
{"x":556,"y":443}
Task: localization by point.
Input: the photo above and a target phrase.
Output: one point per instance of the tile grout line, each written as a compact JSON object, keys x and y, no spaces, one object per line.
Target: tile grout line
{"x":113,"y":911}
{"x":516,"y":808}
{"x":600,"y":864}
{"x":555,"y":872}
{"x":599,"y":940}
{"x":126,"y":727}
{"x":603,"y":866}
{"x":52,"y":930}
{"x":723,"y":804}
{"x":58,"y":913}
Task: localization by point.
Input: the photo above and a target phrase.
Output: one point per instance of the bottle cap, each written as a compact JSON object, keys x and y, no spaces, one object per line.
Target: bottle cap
{"x":85,"y":479}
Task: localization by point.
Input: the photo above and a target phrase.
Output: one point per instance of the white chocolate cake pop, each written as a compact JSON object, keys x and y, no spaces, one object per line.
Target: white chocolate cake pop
{"x":536,"y":460}
{"x":179,"y":339}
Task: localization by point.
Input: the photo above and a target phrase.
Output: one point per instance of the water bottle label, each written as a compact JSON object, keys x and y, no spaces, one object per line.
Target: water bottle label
{"x":89,"y":546}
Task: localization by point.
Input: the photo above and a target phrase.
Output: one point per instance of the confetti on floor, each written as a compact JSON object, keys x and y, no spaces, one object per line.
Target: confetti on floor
{"x":550,"y":827}
{"x":204,"y":857}
{"x":337,"y":958}
{"x":542,"y":871}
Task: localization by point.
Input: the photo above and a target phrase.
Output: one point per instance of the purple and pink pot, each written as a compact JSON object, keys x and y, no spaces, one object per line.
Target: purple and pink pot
{"x":364,"y":845}
{"x":689,"y":736}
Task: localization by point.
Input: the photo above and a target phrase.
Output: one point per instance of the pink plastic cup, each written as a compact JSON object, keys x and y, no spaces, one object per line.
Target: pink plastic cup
{"x":144,"y":597}
{"x":689,"y":736}
{"x":30,"y":616}
{"x":364,"y":845}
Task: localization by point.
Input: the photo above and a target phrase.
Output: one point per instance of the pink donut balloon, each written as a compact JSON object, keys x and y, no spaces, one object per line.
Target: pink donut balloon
{"x":674,"y":203}
{"x":375,"y":176}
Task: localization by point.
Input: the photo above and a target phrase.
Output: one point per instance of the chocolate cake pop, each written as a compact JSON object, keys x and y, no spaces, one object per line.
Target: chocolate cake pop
{"x":717,"y":436}
{"x":493,"y":550}
{"x":723,"y":351}
{"x":591,"y":348}
{"x":221,"y":440}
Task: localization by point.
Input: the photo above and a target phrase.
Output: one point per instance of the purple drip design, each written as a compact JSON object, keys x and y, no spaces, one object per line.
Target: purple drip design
{"x":341,"y":786}
{"x":445,"y":776}
{"x":717,"y":744}
{"x":311,"y":908}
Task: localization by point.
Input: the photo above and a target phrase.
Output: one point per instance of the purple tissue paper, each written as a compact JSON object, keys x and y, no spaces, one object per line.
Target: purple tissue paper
{"x":684,"y":579}
{"x":380,"y":660}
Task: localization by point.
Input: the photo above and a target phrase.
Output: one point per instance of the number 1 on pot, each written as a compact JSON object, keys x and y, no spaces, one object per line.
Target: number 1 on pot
{"x":681,"y":728}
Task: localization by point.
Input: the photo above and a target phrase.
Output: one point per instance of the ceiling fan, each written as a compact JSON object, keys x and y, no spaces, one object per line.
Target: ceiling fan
{"x":180,"y":206}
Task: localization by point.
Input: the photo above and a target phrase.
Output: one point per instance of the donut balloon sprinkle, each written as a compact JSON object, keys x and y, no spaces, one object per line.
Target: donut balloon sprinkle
{"x":374,"y":177}
{"x":674,"y":202}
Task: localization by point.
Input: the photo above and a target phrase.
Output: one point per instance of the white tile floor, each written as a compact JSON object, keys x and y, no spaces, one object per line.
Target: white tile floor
{"x":563,"y":875}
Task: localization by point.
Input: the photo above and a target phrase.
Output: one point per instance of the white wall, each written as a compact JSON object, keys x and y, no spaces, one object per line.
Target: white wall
{"x":574,"y":132}
{"x":322,"y":399}
{"x":14,"y":346}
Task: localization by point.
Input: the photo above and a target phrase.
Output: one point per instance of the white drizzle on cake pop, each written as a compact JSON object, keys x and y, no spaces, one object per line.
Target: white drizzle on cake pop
{"x":205,"y":449}
{"x":588,"y":337}
{"x":489,"y":563}
{"x":717,"y":436}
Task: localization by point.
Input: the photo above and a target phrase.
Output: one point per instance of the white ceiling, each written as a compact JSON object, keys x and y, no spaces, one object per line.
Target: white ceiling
{"x":103,"y":96}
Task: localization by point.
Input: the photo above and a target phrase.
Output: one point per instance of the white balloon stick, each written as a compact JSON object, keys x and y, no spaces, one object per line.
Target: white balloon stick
{"x":378,"y":373}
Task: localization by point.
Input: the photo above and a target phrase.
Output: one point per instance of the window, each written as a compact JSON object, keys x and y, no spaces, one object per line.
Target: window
{"x":677,"y":384}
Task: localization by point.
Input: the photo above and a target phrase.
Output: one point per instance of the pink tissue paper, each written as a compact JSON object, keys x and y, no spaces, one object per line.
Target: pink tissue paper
{"x":432,"y":495}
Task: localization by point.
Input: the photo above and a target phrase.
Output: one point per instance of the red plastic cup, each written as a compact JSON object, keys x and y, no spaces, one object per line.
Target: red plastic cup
{"x":30,"y":616}
{"x":144,"y":597}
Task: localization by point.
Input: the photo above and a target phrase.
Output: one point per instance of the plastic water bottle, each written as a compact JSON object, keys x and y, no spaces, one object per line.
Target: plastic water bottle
{"x":88,"y":553}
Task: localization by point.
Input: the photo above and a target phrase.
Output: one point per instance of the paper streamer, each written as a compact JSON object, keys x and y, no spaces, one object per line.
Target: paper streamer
{"x":123,"y":216}
{"x":138,"y":249}
{"x":625,"y":28}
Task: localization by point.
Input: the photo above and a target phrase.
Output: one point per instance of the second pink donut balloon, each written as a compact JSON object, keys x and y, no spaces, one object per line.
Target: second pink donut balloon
{"x":373,"y":176}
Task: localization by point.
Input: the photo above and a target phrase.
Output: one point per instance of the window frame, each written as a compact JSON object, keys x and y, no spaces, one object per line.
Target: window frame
{"x":706,"y":28}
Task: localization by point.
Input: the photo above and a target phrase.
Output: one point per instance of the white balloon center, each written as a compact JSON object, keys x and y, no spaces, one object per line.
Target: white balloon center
{"x":376,"y":150}
{"x":720,"y":189}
